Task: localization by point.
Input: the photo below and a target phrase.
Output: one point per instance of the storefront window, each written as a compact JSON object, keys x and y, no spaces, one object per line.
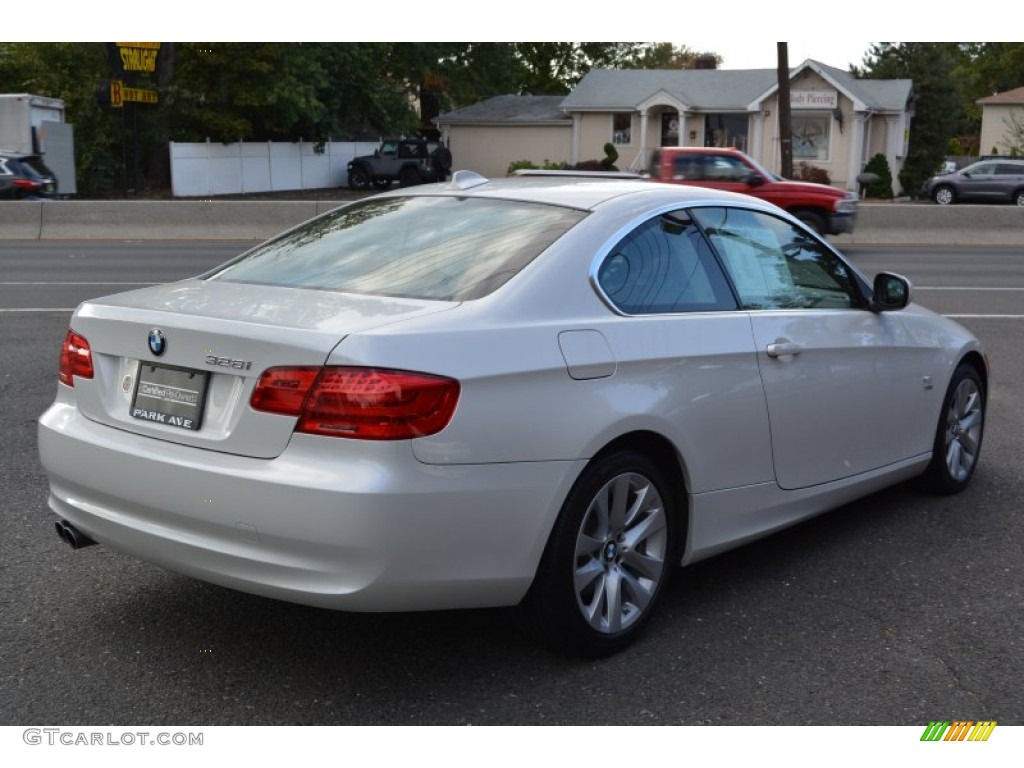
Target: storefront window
{"x":622,"y":128}
{"x":811,"y":136}
{"x":726,"y":131}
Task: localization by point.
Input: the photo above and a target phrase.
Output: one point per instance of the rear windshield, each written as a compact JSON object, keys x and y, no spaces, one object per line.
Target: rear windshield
{"x":445,"y":248}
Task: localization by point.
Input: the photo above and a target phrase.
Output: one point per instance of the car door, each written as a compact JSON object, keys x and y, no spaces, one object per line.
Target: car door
{"x":725,"y":172}
{"x":979,"y":183}
{"x":842,"y":383}
{"x":684,"y":358}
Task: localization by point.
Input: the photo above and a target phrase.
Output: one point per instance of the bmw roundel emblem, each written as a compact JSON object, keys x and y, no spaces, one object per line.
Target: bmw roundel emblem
{"x":157,"y":342}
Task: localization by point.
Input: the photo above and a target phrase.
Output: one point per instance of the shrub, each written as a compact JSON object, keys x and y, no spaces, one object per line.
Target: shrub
{"x":808,"y":172}
{"x":529,"y":165}
{"x":611,"y":154}
{"x":879,"y":166}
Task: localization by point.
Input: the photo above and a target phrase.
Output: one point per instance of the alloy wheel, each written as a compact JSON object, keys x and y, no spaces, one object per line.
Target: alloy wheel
{"x":621,"y":551}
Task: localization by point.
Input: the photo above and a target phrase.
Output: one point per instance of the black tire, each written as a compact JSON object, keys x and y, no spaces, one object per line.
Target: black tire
{"x":607,"y":559}
{"x":959,"y":433}
{"x":812,"y":220}
{"x":1018,"y":197}
{"x":358,"y":178}
{"x":408,"y":177}
{"x":944,"y":195}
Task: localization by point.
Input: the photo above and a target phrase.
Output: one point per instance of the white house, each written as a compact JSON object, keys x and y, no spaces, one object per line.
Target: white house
{"x":999,"y":113}
{"x":838,"y":121}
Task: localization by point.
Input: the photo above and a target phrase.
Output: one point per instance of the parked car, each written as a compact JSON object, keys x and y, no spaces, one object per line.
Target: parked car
{"x":988,"y":181}
{"x":824,"y":209}
{"x":543,"y":392}
{"x":25,"y":177}
{"x":407,"y":161}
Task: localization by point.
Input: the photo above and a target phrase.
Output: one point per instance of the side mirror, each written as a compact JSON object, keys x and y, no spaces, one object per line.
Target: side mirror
{"x":376,"y":153}
{"x":754,"y":180}
{"x":891,"y":292}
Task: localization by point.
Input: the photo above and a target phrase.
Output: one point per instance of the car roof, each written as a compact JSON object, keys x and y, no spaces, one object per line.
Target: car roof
{"x":704,"y":150}
{"x":584,"y":193}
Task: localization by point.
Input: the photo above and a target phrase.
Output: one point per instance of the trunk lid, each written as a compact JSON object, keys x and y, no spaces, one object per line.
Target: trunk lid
{"x":218,"y":337}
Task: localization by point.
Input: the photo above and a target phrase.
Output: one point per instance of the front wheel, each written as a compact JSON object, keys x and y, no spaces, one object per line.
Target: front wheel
{"x":358,"y":178}
{"x":944,"y":196}
{"x":959,"y":433}
{"x":812,"y":220}
{"x":1018,"y":197}
{"x":607,"y":560}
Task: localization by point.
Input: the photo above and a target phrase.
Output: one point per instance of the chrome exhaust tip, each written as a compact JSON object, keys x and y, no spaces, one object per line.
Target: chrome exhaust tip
{"x":71,"y":536}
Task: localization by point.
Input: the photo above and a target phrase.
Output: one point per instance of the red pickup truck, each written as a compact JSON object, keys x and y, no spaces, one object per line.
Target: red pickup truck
{"x":827,"y":210}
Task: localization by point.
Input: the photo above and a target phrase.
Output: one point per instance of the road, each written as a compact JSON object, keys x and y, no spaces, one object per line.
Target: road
{"x":896,"y":610}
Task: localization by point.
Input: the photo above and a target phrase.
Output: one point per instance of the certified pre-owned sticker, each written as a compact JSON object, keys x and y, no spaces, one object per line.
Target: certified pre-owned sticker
{"x":171,"y":396}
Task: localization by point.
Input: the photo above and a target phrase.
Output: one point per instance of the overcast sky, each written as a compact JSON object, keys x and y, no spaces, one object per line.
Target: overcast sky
{"x":763,"y":55}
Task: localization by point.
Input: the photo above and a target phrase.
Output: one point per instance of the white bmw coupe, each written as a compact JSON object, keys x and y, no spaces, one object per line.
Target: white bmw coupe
{"x":542,"y":392}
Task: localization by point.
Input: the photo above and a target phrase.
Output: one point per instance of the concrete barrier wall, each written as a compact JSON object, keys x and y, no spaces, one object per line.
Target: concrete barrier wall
{"x":896,"y":223}
{"x":927,"y":224}
{"x":153,"y":220}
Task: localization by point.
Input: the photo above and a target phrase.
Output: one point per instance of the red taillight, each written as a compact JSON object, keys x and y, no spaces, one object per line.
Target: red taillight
{"x":361,"y":403}
{"x":26,"y":184}
{"x":75,"y":359}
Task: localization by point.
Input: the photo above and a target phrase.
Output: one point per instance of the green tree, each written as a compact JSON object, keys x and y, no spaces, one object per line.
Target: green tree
{"x":938,"y":109}
{"x":72,"y":72}
{"x":285,"y":91}
{"x":668,"y":56}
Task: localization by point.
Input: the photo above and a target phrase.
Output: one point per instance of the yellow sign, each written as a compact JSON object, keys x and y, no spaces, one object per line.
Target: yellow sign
{"x":120,"y":93}
{"x":138,"y":57}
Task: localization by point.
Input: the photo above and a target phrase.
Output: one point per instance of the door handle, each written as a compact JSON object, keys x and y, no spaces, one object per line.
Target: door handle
{"x":783,"y":348}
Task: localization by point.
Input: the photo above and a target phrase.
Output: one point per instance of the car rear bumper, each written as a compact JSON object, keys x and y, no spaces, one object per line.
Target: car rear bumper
{"x":333,"y":523}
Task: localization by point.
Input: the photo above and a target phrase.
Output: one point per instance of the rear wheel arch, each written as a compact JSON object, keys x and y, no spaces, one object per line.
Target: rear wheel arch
{"x":664,"y":454}
{"x":611,"y":549}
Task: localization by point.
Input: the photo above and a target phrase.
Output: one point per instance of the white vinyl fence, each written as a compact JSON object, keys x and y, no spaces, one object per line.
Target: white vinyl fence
{"x":212,"y":168}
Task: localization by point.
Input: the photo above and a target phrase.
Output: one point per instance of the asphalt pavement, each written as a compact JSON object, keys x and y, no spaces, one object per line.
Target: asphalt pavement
{"x":896,"y":610}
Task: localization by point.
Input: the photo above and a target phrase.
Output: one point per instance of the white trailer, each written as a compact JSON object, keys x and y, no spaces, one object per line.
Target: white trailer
{"x":36,"y":125}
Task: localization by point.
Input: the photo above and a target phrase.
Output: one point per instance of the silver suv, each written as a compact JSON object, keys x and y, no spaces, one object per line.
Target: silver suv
{"x":988,"y":181}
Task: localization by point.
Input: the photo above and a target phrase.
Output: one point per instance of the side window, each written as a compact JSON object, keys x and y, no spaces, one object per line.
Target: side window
{"x":774,"y":264}
{"x":664,"y":265}
{"x":686,"y":167}
{"x":722,"y":168}
{"x":622,"y":128}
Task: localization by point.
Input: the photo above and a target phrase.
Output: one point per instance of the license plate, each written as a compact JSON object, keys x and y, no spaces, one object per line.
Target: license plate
{"x":171,"y":396}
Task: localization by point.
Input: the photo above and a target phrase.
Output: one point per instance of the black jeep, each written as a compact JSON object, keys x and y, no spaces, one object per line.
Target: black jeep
{"x":407,"y":161}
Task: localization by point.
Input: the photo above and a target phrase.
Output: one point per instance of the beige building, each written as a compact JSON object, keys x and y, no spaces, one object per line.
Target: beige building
{"x":838,"y":121}
{"x":999,"y":113}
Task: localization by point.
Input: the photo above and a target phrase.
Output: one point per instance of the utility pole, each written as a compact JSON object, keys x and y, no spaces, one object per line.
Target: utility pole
{"x":785,"y":123}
